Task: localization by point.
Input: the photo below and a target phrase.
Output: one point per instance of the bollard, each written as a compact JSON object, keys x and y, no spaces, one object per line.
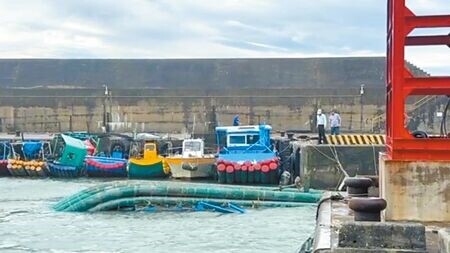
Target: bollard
{"x":367,"y":209}
{"x":358,"y":186}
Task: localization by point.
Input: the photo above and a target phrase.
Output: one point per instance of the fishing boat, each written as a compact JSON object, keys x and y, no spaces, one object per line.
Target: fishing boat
{"x":145,"y":161}
{"x":97,"y":166}
{"x":68,"y":157}
{"x":192,"y":162}
{"x":111,"y":156}
{"x":245,"y":155}
{"x":28,"y":158}
{"x":4,"y":153}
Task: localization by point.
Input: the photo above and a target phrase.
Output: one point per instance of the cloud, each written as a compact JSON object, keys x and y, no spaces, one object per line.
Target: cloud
{"x":203,"y":29}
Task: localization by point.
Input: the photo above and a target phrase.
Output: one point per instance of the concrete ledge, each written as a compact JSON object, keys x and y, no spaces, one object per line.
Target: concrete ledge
{"x":415,"y":190}
{"x":444,"y":240}
{"x":382,"y":236}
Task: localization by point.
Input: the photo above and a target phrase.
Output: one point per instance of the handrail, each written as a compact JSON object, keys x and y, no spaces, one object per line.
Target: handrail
{"x":416,"y":105}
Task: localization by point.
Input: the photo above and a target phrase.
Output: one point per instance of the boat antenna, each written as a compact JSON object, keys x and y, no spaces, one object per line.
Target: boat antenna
{"x":193,"y":127}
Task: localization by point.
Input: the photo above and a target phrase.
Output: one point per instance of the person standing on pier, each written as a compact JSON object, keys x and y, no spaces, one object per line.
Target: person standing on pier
{"x":236,"y":121}
{"x":321,"y":125}
{"x":335,"y":122}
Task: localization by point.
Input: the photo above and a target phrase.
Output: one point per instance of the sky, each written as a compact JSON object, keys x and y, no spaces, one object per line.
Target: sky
{"x":208,"y":29}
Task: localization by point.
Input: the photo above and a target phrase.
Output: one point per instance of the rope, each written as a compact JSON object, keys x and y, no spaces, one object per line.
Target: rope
{"x":374,"y":160}
{"x":325,"y":155}
{"x":341,"y":168}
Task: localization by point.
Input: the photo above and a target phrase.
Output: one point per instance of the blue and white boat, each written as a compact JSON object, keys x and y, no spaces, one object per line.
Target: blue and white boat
{"x":246,"y":155}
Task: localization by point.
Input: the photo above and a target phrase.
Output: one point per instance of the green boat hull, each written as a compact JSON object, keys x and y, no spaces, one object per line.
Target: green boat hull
{"x":138,"y":171}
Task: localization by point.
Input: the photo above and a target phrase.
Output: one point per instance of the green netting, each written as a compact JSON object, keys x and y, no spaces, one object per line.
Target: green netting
{"x":112,"y":194}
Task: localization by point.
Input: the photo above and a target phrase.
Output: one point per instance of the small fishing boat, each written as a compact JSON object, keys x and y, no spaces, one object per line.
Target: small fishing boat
{"x":4,"y":153}
{"x":69,"y":154}
{"x":145,"y":162}
{"x":192,"y":162}
{"x":28,"y":158}
{"x":246,"y":156}
{"x":110,"y":159}
{"x":97,"y":166}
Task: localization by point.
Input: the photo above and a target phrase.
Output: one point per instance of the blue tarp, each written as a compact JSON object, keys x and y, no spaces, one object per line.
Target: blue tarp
{"x":31,"y":149}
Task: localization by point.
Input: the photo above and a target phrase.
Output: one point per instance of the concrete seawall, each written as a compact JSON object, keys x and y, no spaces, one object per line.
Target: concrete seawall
{"x":175,"y":110}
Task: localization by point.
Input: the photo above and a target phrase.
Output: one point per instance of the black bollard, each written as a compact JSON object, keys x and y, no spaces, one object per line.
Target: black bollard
{"x":358,"y":186}
{"x":367,"y":209}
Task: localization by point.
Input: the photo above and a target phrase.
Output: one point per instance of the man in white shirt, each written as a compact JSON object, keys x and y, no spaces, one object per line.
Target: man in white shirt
{"x":335,"y":122}
{"x":321,"y":125}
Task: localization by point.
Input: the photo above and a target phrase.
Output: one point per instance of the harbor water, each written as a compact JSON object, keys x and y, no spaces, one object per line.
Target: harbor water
{"x":28,"y":224}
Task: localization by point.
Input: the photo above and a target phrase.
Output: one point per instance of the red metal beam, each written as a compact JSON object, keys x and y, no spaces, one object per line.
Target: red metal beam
{"x":428,"y":21}
{"x":427,"y":86}
{"x":427,"y":40}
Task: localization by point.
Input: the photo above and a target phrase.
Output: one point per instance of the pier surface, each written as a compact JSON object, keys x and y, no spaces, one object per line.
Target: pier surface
{"x":336,"y":231}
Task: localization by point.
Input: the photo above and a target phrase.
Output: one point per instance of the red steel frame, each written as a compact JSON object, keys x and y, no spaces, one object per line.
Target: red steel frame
{"x":400,"y":83}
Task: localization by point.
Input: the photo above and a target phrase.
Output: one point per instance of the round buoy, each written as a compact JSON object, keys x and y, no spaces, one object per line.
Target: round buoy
{"x":221,"y":173}
{"x":265,"y":174}
{"x":237,"y":173}
{"x":273,"y":178}
{"x":251,"y":174}
{"x":257,"y":167}
{"x":273,"y":166}
{"x":230,"y":174}
{"x":244,"y":171}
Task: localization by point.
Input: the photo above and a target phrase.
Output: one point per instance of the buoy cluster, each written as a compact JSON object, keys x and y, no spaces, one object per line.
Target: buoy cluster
{"x":257,"y":172}
{"x":27,"y":168}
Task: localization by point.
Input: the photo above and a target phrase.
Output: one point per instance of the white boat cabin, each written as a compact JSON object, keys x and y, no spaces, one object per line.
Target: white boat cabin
{"x":193,"y":148}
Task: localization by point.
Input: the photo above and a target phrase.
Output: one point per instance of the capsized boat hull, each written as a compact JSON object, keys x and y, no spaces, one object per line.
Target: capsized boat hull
{"x":146,"y":171}
{"x":200,"y":167}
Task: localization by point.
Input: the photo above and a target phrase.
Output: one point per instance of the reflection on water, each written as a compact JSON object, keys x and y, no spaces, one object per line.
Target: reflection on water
{"x":28,"y":224}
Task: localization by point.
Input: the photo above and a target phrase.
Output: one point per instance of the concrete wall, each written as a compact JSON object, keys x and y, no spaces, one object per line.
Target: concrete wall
{"x":415,"y":190}
{"x":176,"y":110}
{"x":321,"y":163}
{"x":340,"y":72}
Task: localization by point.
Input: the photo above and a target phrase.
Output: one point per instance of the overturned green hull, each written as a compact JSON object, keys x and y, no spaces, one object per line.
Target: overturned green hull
{"x":138,"y":171}
{"x":112,"y":196}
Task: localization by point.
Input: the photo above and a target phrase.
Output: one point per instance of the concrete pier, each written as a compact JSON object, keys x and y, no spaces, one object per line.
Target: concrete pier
{"x":415,"y":190}
{"x":336,"y":231}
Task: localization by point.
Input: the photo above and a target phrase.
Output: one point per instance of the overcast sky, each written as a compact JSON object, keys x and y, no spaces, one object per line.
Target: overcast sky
{"x":206,"y":29}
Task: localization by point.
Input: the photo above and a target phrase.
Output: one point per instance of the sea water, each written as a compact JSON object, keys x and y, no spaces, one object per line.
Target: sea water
{"x":28,"y":224}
